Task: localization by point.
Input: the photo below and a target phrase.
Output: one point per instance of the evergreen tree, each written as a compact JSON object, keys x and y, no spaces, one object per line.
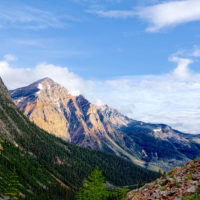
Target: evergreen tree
{"x":140,"y":183}
{"x":123,"y":193}
{"x":3,"y":178}
{"x":159,"y":173}
{"x":12,"y":190}
{"x":2,"y":182}
{"x":164,"y":174}
{"x":118,"y":194}
{"x":94,"y":187}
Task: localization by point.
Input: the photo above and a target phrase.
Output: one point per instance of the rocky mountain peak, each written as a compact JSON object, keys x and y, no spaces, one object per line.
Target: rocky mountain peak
{"x":46,"y":79}
{"x":73,"y":118}
{"x":45,"y":87}
{"x":46,"y":83}
{"x":114,"y":116}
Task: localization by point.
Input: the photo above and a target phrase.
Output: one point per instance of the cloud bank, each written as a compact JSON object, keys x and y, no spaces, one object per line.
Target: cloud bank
{"x":171,"y":98}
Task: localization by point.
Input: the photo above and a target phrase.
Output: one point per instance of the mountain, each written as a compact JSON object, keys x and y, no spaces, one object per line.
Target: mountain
{"x":181,"y":183}
{"x":46,"y":167}
{"x":75,"y":119}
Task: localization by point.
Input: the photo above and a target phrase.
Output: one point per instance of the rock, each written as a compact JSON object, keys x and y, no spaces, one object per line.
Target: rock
{"x":172,"y":188}
{"x":191,"y":189}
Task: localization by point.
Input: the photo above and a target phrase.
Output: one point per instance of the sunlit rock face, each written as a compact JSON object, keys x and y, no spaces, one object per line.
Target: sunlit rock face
{"x":75,"y":119}
{"x":72,"y":118}
{"x":44,"y":102}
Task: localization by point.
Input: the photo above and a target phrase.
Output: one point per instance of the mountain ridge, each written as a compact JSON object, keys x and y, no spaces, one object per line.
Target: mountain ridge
{"x":75,"y":119}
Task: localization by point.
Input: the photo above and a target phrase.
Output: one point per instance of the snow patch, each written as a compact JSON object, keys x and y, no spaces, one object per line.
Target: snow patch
{"x":157,"y":130}
{"x":40,"y":86}
{"x":75,"y":92}
{"x":99,"y":102}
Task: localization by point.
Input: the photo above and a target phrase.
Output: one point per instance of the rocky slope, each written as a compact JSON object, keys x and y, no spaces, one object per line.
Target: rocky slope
{"x":47,"y":167}
{"x":75,"y":119}
{"x":180,"y":183}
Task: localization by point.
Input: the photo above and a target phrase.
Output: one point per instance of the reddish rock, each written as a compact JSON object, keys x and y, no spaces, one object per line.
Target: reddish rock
{"x":181,"y":181}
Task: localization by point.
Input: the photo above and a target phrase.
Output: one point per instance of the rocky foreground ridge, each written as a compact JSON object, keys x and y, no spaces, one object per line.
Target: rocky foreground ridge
{"x":182,"y":183}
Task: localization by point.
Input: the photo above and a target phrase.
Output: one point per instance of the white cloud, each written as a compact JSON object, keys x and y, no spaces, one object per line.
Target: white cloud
{"x":160,"y":15}
{"x":171,"y":98}
{"x":171,"y":13}
{"x":182,"y":71}
{"x":114,"y":13}
{"x":28,"y":18}
{"x":29,"y":43}
{"x":10,"y":57}
{"x":196,"y":52}
{"x":18,"y":77}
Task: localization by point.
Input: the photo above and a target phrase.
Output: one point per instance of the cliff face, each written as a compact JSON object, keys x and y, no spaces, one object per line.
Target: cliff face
{"x":180,"y":183}
{"x":75,"y":119}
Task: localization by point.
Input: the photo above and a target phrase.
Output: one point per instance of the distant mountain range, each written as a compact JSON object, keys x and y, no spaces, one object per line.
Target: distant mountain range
{"x":75,"y":119}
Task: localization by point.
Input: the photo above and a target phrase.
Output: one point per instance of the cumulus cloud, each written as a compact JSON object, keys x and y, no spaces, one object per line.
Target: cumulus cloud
{"x":171,"y":98}
{"x":18,"y":77}
{"x":182,"y":71}
{"x":160,"y":15}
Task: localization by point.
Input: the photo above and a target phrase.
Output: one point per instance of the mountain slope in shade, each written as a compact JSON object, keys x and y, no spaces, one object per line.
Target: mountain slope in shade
{"x":75,"y":119}
{"x":46,"y":165}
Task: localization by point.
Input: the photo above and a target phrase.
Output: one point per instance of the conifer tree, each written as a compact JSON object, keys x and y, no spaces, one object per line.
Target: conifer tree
{"x":123,"y":193}
{"x":140,"y":183}
{"x":2,"y":182}
{"x":164,"y":174}
{"x":159,"y":173}
{"x":13,"y":187}
{"x":118,"y":194}
{"x":94,"y":187}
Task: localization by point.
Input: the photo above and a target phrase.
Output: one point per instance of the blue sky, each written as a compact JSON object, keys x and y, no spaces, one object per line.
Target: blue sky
{"x":102,"y":45}
{"x":89,"y":44}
